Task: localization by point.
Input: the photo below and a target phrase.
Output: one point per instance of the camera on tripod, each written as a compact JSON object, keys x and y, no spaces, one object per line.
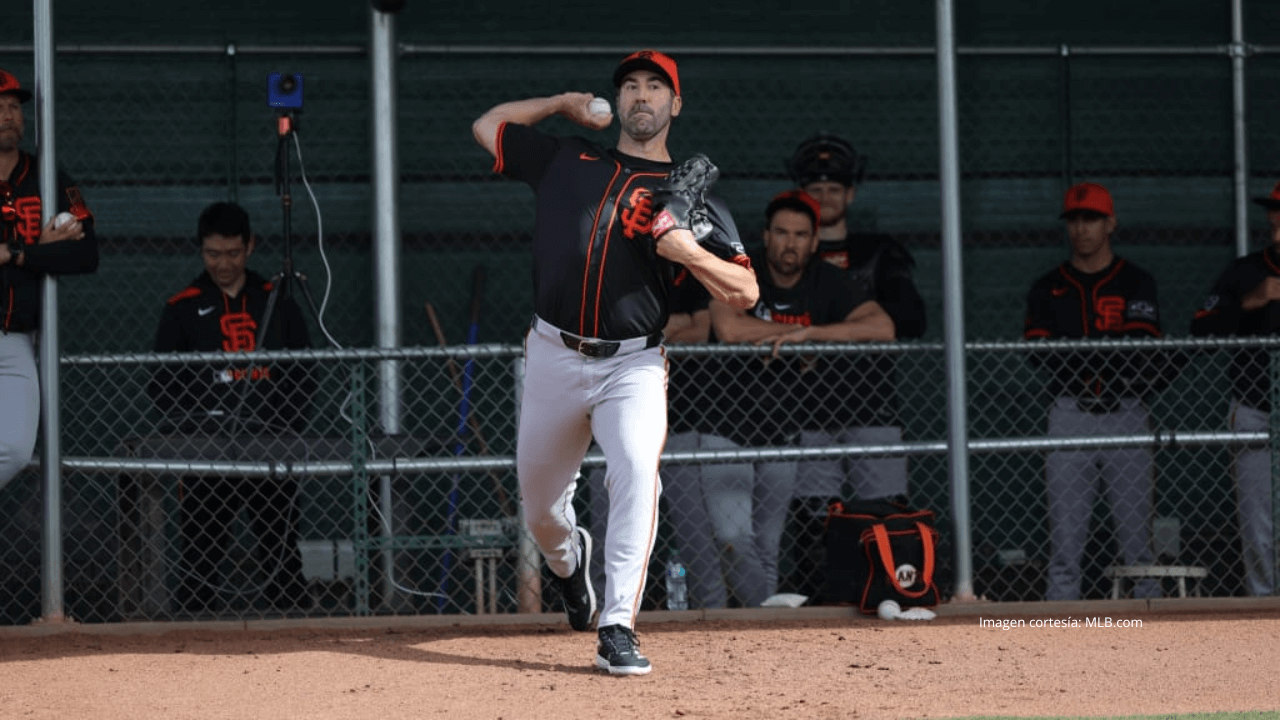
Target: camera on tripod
{"x":284,"y":91}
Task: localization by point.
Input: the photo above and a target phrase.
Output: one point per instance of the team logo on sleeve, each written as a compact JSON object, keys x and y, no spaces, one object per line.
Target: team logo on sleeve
{"x":1210,"y":303}
{"x":1142,"y":310}
{"x":637,"y":213}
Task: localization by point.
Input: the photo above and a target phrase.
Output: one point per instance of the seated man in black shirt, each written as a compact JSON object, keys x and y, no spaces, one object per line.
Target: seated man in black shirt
{"x":222,"y":310}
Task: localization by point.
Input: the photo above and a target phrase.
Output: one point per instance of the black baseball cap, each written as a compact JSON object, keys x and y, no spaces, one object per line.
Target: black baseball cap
{"x":826,"y":157}
{"x":10,"y":85}
{"x":1272,"y":201}
{"x":651,"y":60}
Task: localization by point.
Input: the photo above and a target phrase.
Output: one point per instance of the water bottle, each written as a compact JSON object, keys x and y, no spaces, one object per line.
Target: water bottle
{"x":677,"y":583}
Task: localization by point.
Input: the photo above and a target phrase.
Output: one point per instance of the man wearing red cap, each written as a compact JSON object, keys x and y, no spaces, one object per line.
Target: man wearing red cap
{"x":1096,"y":294}
{"x":27,"y":252}
{"x":802,"y":299}
{"x":1245,"y":301}
{"x":612,"y":227}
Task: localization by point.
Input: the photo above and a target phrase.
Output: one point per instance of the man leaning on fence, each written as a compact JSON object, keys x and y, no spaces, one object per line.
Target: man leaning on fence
{"x":802,"y":300}
{"x":27,"y":253}
{"x":222,"y":310}
{"x":1245,"y":301}
{"x":1096,"y":294}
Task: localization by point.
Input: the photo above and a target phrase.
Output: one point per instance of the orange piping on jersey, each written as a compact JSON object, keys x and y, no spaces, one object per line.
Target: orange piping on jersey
{"x":1036,"y":333}
{"x":1266,"y":257}
{"x":591,"y":241}
{"x":8,"y":314}
{"x":1106,"y":279}
{"x":1142,"y":325}
{"x":1084,"y":307}
{"x":499,"y":164}
{"x":22,"y":173}
{"x":657,"y":491}
{"x":604,"y":251}
{"x":742,"y":260}
{"x":1205,"y":313}
{"x":188,"y":293}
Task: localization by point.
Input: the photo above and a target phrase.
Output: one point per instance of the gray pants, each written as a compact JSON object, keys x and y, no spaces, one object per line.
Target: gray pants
{"x":870,"y":478}
{"x":709,"y":508}
{"x":1072,"y":478}
{"x":778,"y":482}
{"x":19,"y":403}
{"x":1254,"y":501}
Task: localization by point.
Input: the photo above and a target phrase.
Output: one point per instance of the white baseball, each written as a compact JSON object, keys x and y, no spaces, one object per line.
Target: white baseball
{"x":889,"y":610}
{"x":63,"y":218}
{"x":599,"y":106}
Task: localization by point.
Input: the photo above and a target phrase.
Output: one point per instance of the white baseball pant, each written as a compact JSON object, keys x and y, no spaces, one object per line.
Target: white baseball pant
{"x":620,"y":400}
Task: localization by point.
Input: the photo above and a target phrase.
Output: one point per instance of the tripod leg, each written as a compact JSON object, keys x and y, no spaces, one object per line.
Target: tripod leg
{"x":277,"y":283}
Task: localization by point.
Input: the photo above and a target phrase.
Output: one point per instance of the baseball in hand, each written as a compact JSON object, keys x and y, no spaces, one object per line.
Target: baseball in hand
{"x":63,"y":218}
{"x":599,"y":106}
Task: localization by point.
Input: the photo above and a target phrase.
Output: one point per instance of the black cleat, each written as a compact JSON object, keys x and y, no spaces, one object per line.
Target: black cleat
{"x":576,"y":591}
{"x":619,"y":652}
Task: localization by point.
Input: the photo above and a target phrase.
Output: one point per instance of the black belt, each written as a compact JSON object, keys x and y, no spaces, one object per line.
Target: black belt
{"x":593,"y":348}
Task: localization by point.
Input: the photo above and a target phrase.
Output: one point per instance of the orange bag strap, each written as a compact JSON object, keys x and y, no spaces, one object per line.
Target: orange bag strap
{"x":886,"y":557}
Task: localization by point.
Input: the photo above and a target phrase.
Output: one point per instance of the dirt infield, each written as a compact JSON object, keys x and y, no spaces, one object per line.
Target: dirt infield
{"x":822,"y":667}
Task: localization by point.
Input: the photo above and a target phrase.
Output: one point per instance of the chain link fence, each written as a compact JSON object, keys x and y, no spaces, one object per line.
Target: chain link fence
{"x":221,"y":514}
{"x":154,"y":137}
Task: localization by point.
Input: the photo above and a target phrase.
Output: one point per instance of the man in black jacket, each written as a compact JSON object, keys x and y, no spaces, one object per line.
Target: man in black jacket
{"x":1244,"y":302}
{"x":222,"y":310}
{"x":28,"y":252}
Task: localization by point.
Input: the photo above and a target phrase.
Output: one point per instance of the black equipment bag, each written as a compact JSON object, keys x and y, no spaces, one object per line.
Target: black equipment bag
{"x":880,"y":550}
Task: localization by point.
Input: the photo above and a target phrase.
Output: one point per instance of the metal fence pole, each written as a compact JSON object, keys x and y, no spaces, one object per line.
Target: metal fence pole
{"x":52,"y":605}
{"x":953,"y":294}
{"x":386,"y":248}
{"x":1240,"y":128}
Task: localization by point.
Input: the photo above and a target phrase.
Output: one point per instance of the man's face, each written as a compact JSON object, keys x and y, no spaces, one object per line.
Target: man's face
{"x":789,"y":243}
{"x":646,"y":105}
{"x":1090,"y":232}
{"x":11,"y":126}
{"x":833,"y":197}
{"x":1274,"y":217}
{"x":225,"y":259}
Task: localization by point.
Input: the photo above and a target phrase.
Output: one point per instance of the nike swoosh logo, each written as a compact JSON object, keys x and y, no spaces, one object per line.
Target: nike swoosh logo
{"x":587,"y":156}
{"x":205,"y":311}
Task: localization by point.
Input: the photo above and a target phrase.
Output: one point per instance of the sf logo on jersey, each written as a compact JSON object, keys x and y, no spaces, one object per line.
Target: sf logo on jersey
{"x":637,"y":213}
{"x":237,"y":332}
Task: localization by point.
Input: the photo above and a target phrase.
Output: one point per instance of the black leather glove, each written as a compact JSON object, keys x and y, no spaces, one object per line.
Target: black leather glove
{"x":681,"y":199}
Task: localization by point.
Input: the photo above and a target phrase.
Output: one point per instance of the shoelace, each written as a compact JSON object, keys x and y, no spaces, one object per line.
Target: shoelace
{"x":623,"y":642}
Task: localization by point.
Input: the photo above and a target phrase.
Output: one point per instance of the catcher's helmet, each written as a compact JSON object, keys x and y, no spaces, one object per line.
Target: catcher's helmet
{"x":826,"y":157}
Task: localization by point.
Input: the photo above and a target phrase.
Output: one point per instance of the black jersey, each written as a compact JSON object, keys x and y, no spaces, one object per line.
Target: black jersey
{"x":791,"y":392}
{"x":202,"y":318}
{"x":881,"y":270}
{"x":595,"y":270}
{"x":21,"y":222}
{"x":1116,"y":302}
{"x":691,"y":391}
{"x":1222,"y":315}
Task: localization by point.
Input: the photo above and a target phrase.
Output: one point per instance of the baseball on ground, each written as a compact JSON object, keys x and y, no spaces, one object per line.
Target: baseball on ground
{"x":599,"y":106}
{"x":63,"y":218}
